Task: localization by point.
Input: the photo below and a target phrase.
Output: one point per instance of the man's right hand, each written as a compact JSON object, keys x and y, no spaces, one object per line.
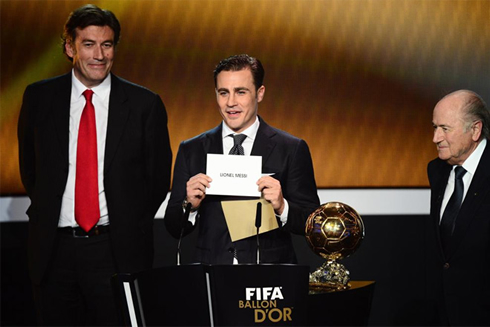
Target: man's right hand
{"x":196,"y":189}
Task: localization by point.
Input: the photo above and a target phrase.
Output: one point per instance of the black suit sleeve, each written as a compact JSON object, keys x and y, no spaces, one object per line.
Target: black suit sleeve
{"x":159,"y":154}
{"x":25,"y":134}
{"x":300,"y":189}
{"x":174,"y":213}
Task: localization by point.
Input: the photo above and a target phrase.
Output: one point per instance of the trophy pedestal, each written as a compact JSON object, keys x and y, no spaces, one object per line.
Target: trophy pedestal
{"x":318,"y":288}
{"x":350,"y":307}
{"x":331,"y":276}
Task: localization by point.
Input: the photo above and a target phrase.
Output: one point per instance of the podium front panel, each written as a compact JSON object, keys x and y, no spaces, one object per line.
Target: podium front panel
{"x":174,"y":296}
{"x":350,"y":307}
{"x":258,"y":295}
{"x":167,"y":296}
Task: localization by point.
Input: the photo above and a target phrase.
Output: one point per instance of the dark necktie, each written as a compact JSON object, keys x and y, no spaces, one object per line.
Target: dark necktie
{"x":451,"y":212}
{"x":237,"y":148}
{"x":87,"y":211}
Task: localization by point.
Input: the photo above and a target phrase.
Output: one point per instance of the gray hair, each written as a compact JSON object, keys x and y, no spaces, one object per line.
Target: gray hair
{"x":475,"y":109}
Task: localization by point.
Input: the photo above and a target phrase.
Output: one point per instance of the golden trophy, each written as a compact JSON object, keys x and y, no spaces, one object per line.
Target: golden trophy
{"x":333,"y":231}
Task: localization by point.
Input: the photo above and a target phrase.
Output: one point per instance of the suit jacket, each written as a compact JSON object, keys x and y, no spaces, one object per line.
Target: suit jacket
{"x":136,"y":168}
{"x":286,"y":156}
{"x":458,"y":280}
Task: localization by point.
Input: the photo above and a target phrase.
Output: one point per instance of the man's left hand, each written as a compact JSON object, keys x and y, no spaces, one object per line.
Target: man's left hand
{"x":272,"y":192}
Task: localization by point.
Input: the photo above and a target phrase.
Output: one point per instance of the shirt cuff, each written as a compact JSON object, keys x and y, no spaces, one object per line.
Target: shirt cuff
{"x":192,"y":217}
{"x":284,"y":216}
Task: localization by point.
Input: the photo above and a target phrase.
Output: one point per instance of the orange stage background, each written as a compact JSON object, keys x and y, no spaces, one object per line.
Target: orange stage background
{"x":357,"y":79}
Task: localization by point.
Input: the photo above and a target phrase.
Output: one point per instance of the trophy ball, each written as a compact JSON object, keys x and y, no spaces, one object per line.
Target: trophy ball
{"x":334,"y":231}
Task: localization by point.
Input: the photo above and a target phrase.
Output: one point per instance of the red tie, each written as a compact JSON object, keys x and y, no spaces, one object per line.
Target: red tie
{"x":87,"y":211}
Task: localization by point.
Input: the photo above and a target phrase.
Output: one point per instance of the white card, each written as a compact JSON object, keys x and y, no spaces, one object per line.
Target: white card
{"x":234,"y":175}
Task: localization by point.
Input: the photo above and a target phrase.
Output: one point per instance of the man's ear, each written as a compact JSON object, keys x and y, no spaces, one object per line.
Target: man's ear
{"x":70,"y":52}
{"x":476,"y":130}
{"x":260,"y":93}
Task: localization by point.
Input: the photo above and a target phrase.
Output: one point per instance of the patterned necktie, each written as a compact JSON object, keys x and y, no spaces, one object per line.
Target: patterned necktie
{"x":87,"y":211}
{"x":237,"y":148}
{"x":448,"y":220}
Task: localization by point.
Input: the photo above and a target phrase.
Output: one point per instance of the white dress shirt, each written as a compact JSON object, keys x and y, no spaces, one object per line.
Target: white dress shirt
{"x":100,"y":100}
{"x":470,"y":165}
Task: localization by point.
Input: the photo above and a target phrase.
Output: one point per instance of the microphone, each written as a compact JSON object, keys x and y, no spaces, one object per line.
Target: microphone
{"x":258,"y":223}
{"x":185,"y":218}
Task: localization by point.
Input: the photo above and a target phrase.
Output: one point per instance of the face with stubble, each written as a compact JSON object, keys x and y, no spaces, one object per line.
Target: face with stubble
{"x":238,"y":99}
{"x":92,"y":52}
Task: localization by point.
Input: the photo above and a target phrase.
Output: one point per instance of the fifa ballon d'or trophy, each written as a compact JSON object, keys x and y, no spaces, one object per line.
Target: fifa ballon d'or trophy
{"x":333,"y":231}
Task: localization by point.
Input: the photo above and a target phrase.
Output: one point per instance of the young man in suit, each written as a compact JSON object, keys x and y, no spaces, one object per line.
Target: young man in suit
{"x":459,"y":257}
{"x":95,"y":161}
{"x":291,"y":189}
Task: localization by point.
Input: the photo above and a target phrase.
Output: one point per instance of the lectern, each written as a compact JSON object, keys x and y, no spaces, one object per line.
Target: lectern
{"x":350,"y":307}
{"x":214,"y":295}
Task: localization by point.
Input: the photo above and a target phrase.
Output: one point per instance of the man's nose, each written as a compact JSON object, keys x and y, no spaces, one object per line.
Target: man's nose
{"x":437,"y":136}
{"x":231,"y":102}
{"x":98,"y":53}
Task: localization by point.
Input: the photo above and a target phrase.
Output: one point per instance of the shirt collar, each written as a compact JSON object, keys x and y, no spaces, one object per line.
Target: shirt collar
{"x":251,"y":131}
{"x":102,"y":90}
{"x":471,"y":164}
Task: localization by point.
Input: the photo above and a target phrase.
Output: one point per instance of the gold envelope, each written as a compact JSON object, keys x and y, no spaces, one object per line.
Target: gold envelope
{"x":240,"y":218}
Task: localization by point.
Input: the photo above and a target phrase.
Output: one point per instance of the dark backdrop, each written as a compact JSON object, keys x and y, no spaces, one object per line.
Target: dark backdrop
{"x":392,"y":254}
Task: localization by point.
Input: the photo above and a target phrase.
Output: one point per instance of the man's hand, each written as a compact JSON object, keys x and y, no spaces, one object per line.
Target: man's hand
{"x":272,"y":192}
{"x":196,"y":189}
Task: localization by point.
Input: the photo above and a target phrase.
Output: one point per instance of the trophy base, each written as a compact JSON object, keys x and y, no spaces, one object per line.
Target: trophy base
{"x":327,"y":287}
{"x":330,"y":277}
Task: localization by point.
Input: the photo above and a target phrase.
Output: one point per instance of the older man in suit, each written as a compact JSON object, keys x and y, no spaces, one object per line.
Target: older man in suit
{"x":95,"y":161}
{"x":291,"y":189}
{"x":460,"y":211}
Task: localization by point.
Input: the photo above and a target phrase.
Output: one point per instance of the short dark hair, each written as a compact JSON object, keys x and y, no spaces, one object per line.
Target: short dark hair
{"x":475,"y":109}
{"x":240,"y":62}
{"x":86,"y":16}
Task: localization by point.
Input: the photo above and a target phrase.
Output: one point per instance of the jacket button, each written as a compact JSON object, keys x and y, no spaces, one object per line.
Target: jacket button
{"x":446,"y":265}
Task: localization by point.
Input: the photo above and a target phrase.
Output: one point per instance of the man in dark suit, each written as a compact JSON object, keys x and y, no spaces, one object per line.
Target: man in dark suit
{"x":459,"y":262}
{"x":95,"y":161}
{"x":291,"y":189}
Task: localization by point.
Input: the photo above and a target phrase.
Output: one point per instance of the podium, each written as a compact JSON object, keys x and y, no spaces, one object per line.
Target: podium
{"x":214,"y":295}
{"x":168,"y":296}
{"x":350,"y":307}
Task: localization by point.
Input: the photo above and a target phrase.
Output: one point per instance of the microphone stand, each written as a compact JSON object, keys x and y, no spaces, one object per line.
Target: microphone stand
{"x":185,"y":218}
{"x":258,"y":223}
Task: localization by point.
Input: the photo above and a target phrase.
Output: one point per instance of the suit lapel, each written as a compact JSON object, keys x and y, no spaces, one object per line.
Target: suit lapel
{"x":118,"y":116}
{"x":439,"y":189}
{"x":61,"y":113}
{"x":474,"y":198}
{"x":263,"y":144}
{"x":213,"y":142}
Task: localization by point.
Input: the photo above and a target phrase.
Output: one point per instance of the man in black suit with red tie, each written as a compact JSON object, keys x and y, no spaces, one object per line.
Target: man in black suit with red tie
{"x":289,"y":186}
{"x":95,"y":161}
{"x":459,"y":255}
